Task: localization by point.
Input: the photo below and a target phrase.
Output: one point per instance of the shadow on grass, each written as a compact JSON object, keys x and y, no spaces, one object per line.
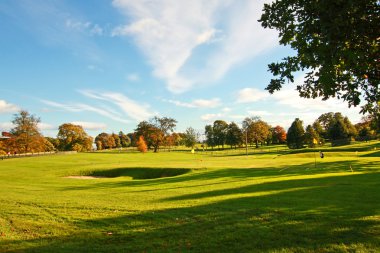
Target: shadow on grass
{"x":328,"y":214}
{"x":202,"y":176}
{"x":139,"y":173}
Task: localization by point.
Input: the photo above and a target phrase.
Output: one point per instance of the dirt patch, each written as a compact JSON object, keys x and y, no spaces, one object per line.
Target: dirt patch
{"x":85,"y":177}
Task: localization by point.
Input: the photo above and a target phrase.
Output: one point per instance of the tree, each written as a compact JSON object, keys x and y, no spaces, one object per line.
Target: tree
{"x":73,"y":137}
{"x":339,"y":132}
{"x":323,"y":122}
{"x":133,"y":138}
{"x":53,"y":141}
{"x":258,"y":130}
{"x":155,"y":131}
{"x":190,"y":137}
{"x":320,"y":131}
{"x":25,"y":136}
{"x":125,"y":141}
{"x":117,"y":140}
{"x":145,"y":129}
{"x":278,"y":135}
{"x":234,"y":135}
{"x":311,"y":137}
{"x":365,"y":129}
{"x":335,"y":41}
{"x":220,"y":132}
{"x":165,"y":124}
{"x":104,"y":141}
{"x":210,"y":137}
{"x":141,"y":145}
{"x":295,"y":135}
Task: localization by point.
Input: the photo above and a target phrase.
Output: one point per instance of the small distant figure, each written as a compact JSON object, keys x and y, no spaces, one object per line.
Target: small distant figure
{"x":321,"y":154}
{"x":9,"y":153}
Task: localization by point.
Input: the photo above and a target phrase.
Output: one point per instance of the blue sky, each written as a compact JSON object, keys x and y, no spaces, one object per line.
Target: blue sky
{"x":107,"y":65}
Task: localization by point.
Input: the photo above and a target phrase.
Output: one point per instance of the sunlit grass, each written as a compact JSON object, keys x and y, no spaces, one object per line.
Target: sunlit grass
{"x":224,"y":202}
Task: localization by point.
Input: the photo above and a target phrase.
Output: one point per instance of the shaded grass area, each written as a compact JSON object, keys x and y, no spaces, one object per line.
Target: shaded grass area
{"x":224,"y":204}
{"x":137,"y":173}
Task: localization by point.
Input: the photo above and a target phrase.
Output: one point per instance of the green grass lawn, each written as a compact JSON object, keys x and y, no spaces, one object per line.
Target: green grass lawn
{"x":222,"y":201}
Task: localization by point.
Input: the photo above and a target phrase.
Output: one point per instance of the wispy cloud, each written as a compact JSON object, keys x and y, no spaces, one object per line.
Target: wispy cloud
{"x":130,"y":107}
{"x":96,"y":126}
{"x":135,"y":110}
{"x":168,"y":32}
{"x":6,"y":107}
{"x":197,"y":103}
{"x":85,"y":27}
{"x":133,"y":77}
{"x":249,"y":95}
{"x":79,"y":107}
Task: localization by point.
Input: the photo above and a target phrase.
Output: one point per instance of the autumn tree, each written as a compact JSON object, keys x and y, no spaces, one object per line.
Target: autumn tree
{"x":336,"y":42}
{"x":141,"y":145}
{"x":257,"y":130}
{"x":117,"y":140}
{"x":104,"y":141}
{"x":278,"y":135}
{"x":54,"y":142}
{"x":155,"y":131}
{"x":296,"y":135}
{"x":73,"y":137}
{"x":25,"y":136}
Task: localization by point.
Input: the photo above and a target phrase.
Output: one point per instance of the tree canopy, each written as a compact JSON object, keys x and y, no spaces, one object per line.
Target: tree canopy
{"x":336,"y":42}
{"x":25,"y":134}
{"x":73,"y":137}
{"x":296,"y":134}
{"x":155,"y":131}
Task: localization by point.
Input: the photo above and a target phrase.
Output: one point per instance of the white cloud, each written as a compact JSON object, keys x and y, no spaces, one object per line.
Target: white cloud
{"x":290,"y":97}
{"x":198,"y":103}
{"x":211,"y":116}
{"x":226,"y":109}
{"x":78,"y":107}
{"x":88,"y":27}
{"x":168,"y":32}
{"x":96,"y":126}
{"x":249,"y":95}
{"x":6,"y":126}
{"x":6,"y":107}
{"x":133,"y":77}
{"x":46,"y":126}
{"x":259,"y":113}
{"x":130,"y":107}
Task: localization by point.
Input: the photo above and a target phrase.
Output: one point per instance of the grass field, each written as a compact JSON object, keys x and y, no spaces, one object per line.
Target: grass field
{"x":269,"y":201}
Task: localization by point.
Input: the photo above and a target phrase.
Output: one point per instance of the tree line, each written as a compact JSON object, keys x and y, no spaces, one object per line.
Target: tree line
{"x":158,"y":132}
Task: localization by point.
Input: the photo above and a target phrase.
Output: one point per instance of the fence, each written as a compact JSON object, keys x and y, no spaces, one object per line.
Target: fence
{"x":10,"y":156}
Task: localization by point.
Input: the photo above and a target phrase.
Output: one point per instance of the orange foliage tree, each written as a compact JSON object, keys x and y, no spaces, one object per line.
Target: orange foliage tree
{"x":141,"y":145}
